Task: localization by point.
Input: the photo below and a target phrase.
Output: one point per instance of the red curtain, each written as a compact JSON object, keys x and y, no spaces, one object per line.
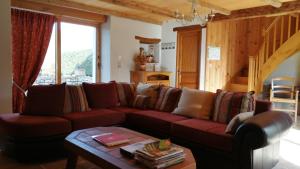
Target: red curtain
{"x":31,"y":33}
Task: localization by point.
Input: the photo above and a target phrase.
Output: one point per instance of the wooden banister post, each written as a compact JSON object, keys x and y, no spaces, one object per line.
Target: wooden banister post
{"x":251,"y":76}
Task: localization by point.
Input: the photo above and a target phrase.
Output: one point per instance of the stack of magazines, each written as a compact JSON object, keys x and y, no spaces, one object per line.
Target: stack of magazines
{"x":153,"y":157}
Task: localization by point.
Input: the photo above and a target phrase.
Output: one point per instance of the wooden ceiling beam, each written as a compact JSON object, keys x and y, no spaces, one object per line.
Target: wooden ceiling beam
{"x":57,"y":10}
{"x":216,"y":8}
{"x":141,"y":6}
{"x":91,"y":9}
{"x":286,"y":8}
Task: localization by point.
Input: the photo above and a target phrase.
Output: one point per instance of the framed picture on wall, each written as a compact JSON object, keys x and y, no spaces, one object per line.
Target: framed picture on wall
{"x":214,"y":53}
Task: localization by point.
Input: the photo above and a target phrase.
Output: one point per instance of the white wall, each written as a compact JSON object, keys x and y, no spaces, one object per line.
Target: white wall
{"x":290,"y":67}
{"x":123,"y":46}
{"x":5,"y":58}
{"x":105,"y":51}
{"x":168,"y":56}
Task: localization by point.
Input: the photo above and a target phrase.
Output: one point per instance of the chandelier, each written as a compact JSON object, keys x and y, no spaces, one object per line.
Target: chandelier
{"x":195,"y":16}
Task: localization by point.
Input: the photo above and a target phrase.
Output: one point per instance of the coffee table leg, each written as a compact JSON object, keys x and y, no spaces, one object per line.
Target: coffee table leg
{"x":72,"y":161}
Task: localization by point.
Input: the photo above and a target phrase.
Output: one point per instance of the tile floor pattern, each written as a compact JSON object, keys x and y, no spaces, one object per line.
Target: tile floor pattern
{"x":289,"y":154}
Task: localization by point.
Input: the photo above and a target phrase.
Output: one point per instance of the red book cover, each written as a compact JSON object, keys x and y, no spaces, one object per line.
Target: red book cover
{"x":111,"y":139}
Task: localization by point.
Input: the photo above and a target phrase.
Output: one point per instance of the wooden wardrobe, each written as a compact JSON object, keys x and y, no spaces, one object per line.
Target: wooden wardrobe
{"x":188,"y":56}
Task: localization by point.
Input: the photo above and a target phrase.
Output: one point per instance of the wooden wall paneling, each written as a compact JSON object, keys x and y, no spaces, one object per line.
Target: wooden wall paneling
{"x":231,"y":36}
{"x":238,"y":40}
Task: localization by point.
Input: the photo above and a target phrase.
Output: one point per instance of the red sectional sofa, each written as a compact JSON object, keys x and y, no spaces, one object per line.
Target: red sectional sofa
{"x":255,"y":144}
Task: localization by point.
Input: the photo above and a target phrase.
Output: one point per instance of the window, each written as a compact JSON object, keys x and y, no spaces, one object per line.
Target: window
{"x":70,"y":58}
{"x":78,"y":53}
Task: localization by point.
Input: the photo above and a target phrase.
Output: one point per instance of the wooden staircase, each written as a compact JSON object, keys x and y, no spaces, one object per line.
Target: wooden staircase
{"x":240,"y":82}
{"x":280,"y":41}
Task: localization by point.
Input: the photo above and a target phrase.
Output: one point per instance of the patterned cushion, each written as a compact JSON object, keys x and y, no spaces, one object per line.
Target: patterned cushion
{"x":229,"y":104}
{"x":148,"y":90}
{"x":168,"y":99}
{"x":126,"y":93}
{"x":141,"y":101}
{"x":75,"y":99}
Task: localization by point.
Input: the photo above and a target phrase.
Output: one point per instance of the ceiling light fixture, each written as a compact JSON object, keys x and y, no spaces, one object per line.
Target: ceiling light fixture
{"x":195,"y":16}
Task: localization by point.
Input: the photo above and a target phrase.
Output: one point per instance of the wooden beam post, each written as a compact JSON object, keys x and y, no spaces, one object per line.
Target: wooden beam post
{"x":216,"y":8}
{"x":57,"y":10}
{"x":286,"y":8}
{"x":91,"y":9}
{"x":141,"y":6}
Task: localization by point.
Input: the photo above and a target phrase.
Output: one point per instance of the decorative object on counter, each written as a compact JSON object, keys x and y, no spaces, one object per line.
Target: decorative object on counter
{"x":140,"y":60}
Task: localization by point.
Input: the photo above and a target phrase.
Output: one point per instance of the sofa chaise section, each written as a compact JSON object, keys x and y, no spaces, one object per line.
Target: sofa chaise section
{"x":28,"y":138}
{"x":152,"y":122}
{"x":95,"y":117}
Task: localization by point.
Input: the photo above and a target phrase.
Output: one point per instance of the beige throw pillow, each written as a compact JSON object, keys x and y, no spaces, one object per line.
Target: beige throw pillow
{"x":195,"y":103}
{"x":237,"y":121}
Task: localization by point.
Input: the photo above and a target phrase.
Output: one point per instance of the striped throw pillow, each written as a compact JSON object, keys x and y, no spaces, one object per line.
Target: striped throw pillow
{"x":75,"y":99}
{"x":228,"y":104}
{"x":126,"y":93}
{"x":168,"y":99}
{"x":141,"y":101}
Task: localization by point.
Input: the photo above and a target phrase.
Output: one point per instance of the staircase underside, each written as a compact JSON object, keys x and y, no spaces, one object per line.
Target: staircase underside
{"x":290,"y":47}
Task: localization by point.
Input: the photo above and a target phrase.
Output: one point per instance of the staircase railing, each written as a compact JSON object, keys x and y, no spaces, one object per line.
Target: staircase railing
{"x":276,"y":34}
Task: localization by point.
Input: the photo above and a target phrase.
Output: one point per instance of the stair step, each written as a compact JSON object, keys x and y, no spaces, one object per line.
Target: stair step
{"x":241,"y":80}
{"x":238,"y":87}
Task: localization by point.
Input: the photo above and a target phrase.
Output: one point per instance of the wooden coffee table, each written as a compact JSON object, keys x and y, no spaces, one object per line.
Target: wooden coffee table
{"x":80,"y":143}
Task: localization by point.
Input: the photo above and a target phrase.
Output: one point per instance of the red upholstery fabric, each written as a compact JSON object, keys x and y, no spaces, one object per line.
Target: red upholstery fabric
{"x":94,"y":118}
{"x":262,"y":106}
{"x":25,"y":126}
{"x":31,"y":33}
{"x":203,"y":132}
{"x":101,"y":95}
{"x":45,"y":100}
{"x":125,"y":109}
{"x":154,"y":121}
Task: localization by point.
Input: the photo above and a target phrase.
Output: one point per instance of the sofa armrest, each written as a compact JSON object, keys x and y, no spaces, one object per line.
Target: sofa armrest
{"x":263,"y":129}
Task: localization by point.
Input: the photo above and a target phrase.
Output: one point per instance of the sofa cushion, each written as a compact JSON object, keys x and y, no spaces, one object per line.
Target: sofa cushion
{"x":153,"y":121}
{"x":45,"y":100}
{"x":228,"y":104}
{"x":126,"y":93}
{"x":203,"y":132}
{"x":150,"y":90}
{"x":94,"y":118}
{"x":141,"y":101}
{"x":195,"y":103}
{"x":125,"y":109}
{"x":101,"y":95}
{"x":262,"y":106}
{"x":26,"y":126}
{"x":168,"y":99}
{"x":75,"y":99}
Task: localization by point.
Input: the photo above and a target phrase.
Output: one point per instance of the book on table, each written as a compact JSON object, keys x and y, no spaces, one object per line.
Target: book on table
{"x":129,"y":150}
{"x":111,"y":139}
{"x":153,"y":157}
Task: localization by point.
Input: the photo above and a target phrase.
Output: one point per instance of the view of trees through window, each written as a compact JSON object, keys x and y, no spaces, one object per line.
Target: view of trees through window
{"x":78,"y":56}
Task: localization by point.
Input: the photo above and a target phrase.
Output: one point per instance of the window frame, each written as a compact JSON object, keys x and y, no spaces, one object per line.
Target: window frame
{"x":58,"y":56}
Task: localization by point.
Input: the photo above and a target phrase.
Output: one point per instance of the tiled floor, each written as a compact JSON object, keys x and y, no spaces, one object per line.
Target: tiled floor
{"x":290,"y":149}
{"x":289,"y":154}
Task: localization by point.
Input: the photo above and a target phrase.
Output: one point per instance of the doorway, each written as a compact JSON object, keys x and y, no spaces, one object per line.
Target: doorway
{"x":188,"y":56}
